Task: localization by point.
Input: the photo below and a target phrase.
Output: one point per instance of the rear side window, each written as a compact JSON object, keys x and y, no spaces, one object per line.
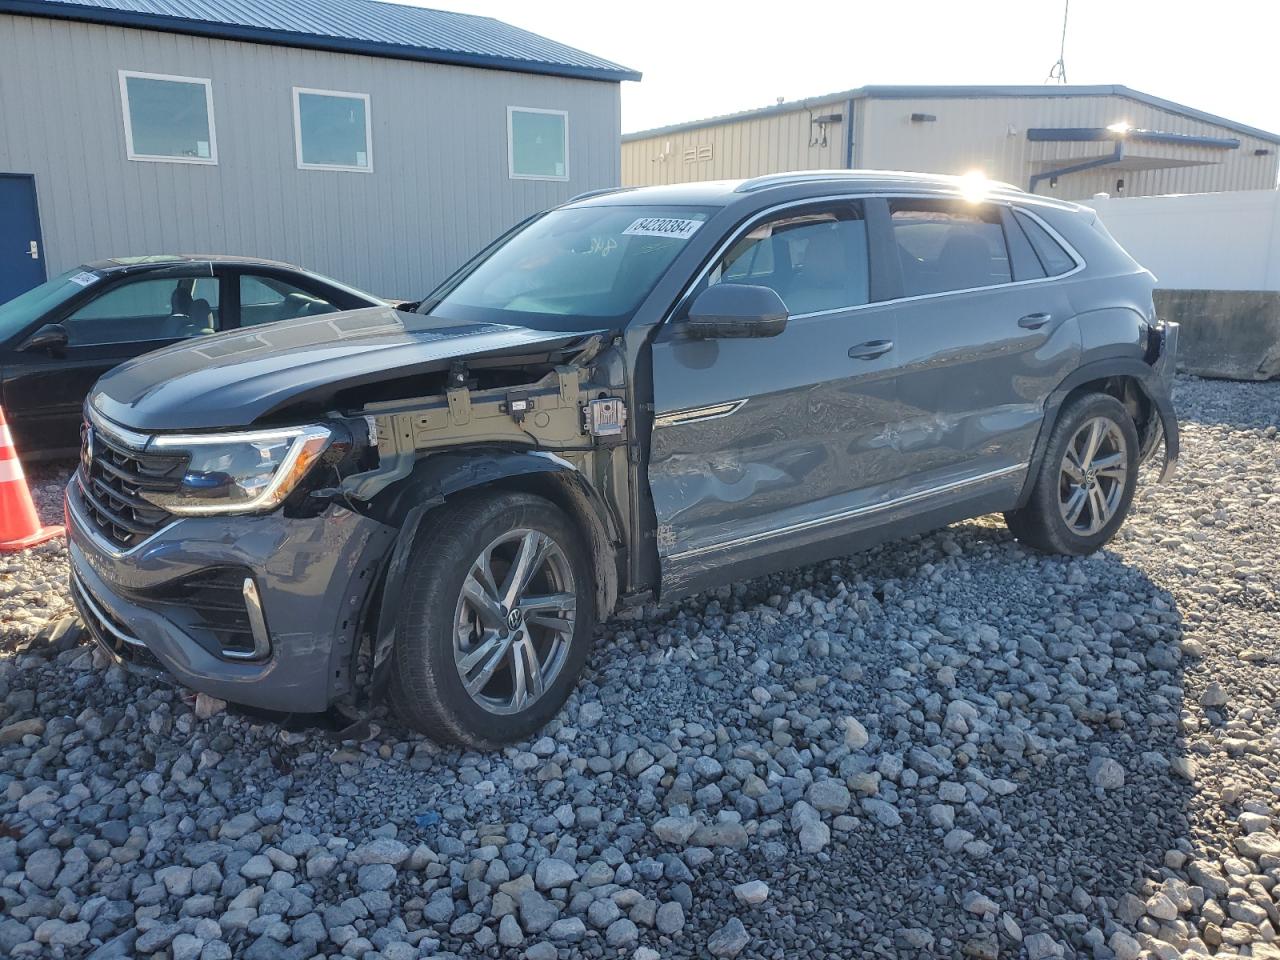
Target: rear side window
{"x":948,"y":245}
{"x":268,"y":299}
{"x":815,"y":261}
{"x":1055,"y":260}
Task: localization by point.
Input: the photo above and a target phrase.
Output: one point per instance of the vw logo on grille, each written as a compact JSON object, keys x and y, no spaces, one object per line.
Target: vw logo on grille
{"x":86,"y":446}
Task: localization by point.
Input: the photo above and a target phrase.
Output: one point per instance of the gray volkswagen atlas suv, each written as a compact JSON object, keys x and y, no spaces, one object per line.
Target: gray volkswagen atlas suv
{"x":637,"y":395}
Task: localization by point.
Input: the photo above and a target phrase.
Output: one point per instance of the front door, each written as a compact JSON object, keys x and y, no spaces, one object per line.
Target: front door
{"x":757,"y":441}
{"x":21,"y":247}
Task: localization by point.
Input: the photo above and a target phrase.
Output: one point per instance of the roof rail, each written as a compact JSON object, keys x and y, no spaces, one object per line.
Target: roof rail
{"x":598,"y":193}
{"x":816,"y":176}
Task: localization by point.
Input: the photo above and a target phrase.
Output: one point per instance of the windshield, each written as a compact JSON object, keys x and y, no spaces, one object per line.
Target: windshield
{"x":20,"y":312}
{"x":574,"y":269}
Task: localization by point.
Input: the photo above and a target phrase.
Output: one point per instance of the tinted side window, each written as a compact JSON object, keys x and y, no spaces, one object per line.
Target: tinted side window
{"x":948,"y":245}
{"x":268,"y":299}
{"x":1053,"y":258}
{"x":815,"y":261}
{"x":158,"y":309}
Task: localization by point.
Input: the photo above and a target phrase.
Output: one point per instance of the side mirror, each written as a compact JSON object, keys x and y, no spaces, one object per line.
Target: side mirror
{"x":52,"y":336}
{"x":736,"y":310}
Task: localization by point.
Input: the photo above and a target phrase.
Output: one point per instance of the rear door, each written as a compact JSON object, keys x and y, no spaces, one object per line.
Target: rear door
{"x":757,"y":441}
{"x":983,"y":337}
{"x":46,"y":389}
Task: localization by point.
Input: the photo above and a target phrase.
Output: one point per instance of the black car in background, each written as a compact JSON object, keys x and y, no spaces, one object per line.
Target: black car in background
{"x":58,"y":338}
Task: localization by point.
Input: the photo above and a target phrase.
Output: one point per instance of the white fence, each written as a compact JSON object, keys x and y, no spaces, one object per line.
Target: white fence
{"x":1201,"y":241}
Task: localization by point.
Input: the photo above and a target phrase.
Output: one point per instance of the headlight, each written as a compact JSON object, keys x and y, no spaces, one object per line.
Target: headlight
{"x":248,"y":472}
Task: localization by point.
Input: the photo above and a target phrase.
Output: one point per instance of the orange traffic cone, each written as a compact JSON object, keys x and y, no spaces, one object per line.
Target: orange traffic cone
{"x":19,"y":526}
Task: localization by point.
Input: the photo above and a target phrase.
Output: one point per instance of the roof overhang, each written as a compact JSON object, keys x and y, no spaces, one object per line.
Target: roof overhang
{"x":964,"y":93}
{"x":1129,"y":135}
{"x":166,"y":23}
{"x":1131,"y":163}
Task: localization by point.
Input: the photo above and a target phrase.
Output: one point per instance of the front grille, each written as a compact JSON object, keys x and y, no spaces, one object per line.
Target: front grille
{"x":211,"y":604}
{"x":112,"y":477}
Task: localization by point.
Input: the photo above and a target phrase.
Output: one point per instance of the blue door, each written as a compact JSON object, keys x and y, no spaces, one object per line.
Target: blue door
{"x":21,"y":249}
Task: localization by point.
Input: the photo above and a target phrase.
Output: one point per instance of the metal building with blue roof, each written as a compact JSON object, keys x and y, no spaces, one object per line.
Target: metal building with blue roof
{"x":375,"y":142}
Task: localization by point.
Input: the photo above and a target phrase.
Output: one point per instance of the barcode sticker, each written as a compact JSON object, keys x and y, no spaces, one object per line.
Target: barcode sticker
{"x":663,"y":227}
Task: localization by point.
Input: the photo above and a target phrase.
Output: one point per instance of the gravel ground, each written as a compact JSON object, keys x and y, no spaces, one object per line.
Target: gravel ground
{"x":949,"y":746}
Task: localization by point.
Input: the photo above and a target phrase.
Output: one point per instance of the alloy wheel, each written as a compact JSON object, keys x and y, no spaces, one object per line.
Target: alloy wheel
{"x":1091,"y":480}
{"x":514,"y":621}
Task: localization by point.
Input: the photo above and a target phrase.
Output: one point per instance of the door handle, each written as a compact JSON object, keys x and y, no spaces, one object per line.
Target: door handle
{"x":1034,"y":321}
{"x":33,"y":250}
{"x":871,"y":349}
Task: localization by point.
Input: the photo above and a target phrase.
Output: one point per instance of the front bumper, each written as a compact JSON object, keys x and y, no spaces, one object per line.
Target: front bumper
{"x":311,"y":576}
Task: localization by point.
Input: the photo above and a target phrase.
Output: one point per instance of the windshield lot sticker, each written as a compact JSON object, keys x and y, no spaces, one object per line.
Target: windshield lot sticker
{"x":84,"y":278}
{"x":663,"y":227}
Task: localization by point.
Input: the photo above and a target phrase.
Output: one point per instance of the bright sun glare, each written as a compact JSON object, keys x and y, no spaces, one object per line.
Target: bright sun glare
{"x":974,"y":185}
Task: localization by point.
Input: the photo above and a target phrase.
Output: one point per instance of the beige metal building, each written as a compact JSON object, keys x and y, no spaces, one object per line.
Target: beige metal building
{"x":1063,"y":141}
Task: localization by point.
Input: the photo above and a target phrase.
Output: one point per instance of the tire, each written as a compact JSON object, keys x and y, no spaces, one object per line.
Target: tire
{"x":441,"y":633}
{"x":1050,"y":520}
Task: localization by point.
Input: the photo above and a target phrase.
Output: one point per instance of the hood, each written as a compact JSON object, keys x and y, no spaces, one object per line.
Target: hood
{"x":240,"y":377}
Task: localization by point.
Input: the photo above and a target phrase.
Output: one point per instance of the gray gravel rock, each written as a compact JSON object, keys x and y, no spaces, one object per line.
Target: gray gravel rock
{"x":752,"y":893}
{"x":670,"y":918}
{"x":1105,"y":773}
{"x":552,"y":873}
{"x":828,"y":796}
{"x":729,"y":940}
{"x":380,"y":850}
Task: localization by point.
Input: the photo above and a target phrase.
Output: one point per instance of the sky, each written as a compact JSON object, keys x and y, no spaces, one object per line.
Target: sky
{"x":702,"y":58}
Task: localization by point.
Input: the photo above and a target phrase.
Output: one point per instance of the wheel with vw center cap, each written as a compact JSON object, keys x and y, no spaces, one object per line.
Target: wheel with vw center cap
{"x":497,"y":620}
{"x":1086,"y":481}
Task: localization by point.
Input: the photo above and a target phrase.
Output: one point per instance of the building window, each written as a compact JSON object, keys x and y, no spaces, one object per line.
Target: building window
{"x":168,"y":118}
{"x":537,"y":144}
{"x":332,"y":130}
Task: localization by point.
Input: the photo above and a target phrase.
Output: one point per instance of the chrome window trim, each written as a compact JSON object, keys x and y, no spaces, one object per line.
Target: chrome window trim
{"x":712,"y":411}
{"x":755,"y":221}
{"x":848,"y":514}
